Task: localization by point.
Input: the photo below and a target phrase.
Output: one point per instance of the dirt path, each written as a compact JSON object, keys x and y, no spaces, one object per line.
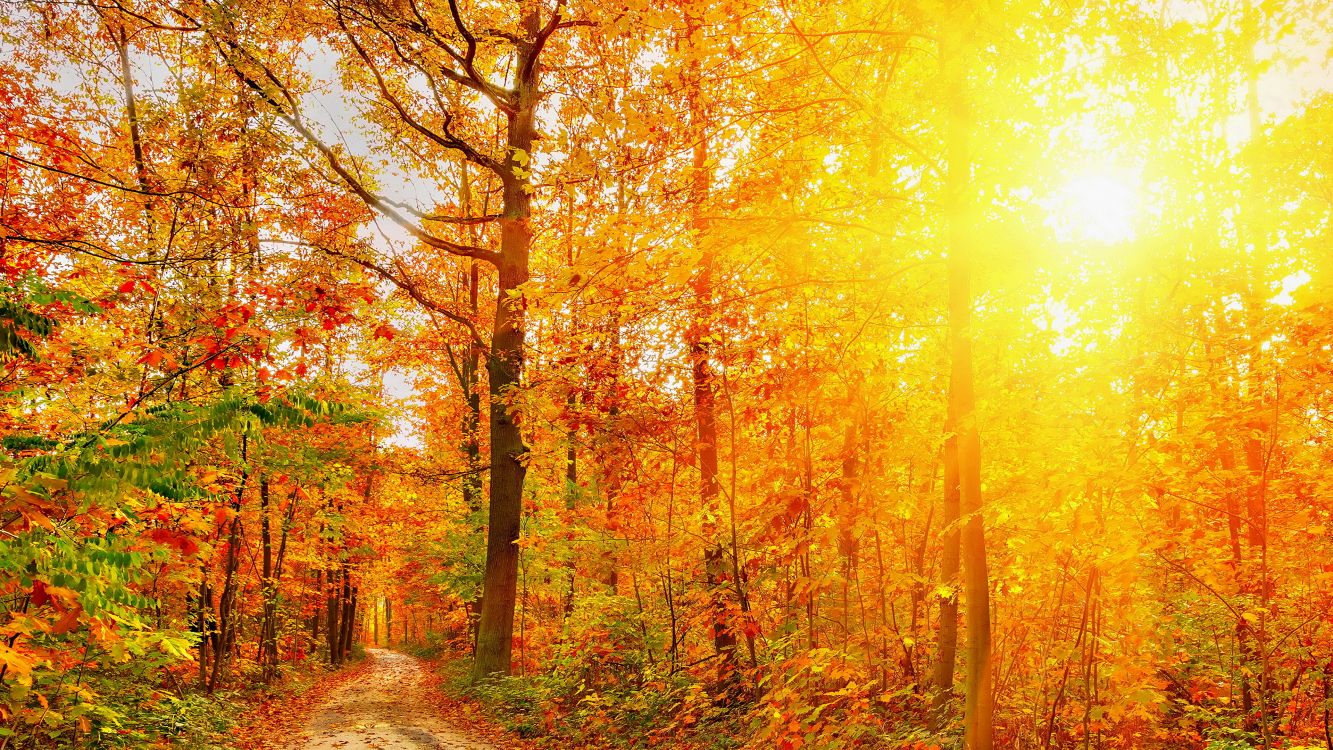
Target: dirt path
{"x":384,"y":709}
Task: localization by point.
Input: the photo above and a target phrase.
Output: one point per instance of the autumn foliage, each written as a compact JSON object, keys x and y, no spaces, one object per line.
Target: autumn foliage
{"x":800,"y":374}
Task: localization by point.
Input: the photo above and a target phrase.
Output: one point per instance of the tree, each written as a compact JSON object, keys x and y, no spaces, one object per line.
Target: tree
{"x":393,"y":45}
{"x":964,"y":439}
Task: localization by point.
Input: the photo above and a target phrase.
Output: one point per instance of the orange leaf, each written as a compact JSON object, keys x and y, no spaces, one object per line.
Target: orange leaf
{"x":153,"y":358}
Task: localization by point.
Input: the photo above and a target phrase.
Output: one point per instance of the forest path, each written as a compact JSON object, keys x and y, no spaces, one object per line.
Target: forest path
{"x":385,"y":709}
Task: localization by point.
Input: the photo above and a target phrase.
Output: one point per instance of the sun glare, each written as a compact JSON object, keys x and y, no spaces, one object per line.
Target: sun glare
{"x":1100,"y":207}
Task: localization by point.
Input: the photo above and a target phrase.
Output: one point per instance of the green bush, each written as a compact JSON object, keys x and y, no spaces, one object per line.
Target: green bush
{"x":516,"y":701}
{"x":433,"y":647}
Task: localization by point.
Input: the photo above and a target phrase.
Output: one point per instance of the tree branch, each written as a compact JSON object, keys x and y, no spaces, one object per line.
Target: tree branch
{"x":447,"y":139}
{"x":291,"y":115}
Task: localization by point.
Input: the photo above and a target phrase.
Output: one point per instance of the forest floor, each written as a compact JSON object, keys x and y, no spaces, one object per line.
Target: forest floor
{"x":387,"y":708}
{"x":393,"y":703}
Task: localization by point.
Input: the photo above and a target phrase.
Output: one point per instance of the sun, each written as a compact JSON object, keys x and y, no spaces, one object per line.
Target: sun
{"x":1100,"y":206}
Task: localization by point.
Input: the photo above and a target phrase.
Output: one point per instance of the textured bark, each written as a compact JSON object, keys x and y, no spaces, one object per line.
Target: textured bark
{"x":495,"y":629}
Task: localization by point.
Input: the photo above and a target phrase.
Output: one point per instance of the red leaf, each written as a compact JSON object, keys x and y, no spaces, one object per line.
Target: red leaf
{"x":39,"y":595}
{"x":67,"y":622}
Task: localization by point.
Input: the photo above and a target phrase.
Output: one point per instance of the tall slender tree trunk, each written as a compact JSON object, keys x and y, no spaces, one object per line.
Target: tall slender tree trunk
{"x":226,"y":635}
{"x":979,"y":706}
{"x":121,"y":40}
{"x":469,"y":369}
{"x":495,"y":629}
{"x":316,"y":615}
{"x":571,"y":500}
{"x":349,"y":594}
{"x":332,"y":608}
{"x":268,"y":631}
{"x":608,"y":449}
{"x":849,"y":543}
{"x":1257,"y":450}
{"x":207,"y":624}
{"x":227,"y":602}
{"x":699,"y":338}
{"x":268,"y":587}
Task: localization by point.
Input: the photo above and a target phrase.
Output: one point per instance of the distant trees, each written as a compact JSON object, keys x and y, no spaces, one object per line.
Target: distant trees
{"x":768,"y":284}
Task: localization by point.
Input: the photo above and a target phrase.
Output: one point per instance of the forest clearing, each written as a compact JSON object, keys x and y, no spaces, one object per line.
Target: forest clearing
{"x":493,"y":374}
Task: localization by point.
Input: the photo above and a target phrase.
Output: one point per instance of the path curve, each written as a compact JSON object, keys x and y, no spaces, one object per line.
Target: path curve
{"x":384,"y":709}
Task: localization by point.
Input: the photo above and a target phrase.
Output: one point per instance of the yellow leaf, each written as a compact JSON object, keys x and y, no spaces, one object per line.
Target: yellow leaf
{"x":68,"y":598}
{"x":18,"y":664}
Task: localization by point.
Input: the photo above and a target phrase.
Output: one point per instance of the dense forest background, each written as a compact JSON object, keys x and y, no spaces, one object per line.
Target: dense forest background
{"x":898,"y":374}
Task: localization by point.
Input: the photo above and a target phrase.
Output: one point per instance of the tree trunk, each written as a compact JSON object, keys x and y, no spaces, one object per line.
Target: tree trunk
{"x":345,"y":613}
{"x":266,"y":582}
{"x":348,"y":618}
{"x":315,"y":616}
{"x":495,"y":630}
{"x":269,"y":630}
{"x":469,"y":372}
{"x":699,"y":338}
{"x":121,"y":40}
{"x":206,"y":623}
{"x":979,"y":702}
{"x":227,"y":603}
{"x":331,"y":609}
